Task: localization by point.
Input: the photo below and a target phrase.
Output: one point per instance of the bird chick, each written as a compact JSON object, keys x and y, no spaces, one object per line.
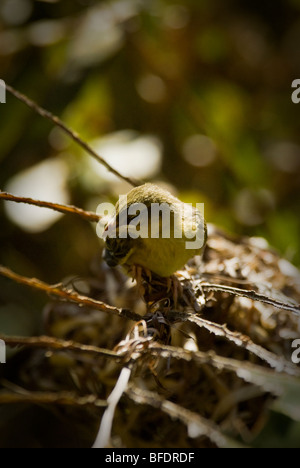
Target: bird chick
{"x":154,"y":232}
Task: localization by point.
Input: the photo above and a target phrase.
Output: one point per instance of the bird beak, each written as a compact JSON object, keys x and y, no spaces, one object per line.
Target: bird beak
{"x":110,"y":228}
{"x":109,"y":258}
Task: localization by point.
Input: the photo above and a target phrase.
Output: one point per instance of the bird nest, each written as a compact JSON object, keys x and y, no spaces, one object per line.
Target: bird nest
{"x":207,"y":372}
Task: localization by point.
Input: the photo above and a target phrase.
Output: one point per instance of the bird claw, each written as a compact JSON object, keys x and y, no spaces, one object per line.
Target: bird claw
{"x":174,"y":284}
{"x":139,"y":273}
{"x":143,"y":275}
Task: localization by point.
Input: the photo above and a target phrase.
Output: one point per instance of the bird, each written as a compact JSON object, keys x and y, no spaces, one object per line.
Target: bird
{"x":153,"y":232}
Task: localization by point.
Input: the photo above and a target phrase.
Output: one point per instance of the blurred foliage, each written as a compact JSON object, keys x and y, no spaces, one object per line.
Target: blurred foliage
{"x":211,"y":81}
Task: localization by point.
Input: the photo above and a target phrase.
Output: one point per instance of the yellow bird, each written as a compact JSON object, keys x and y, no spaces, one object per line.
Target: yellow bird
{"x":154,"y":231}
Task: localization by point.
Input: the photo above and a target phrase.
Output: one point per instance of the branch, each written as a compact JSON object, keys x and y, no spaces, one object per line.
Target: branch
{"x":56,"y":344}
{"x":61,"y":398}
{"x":251,"y":295}
{"x":197,"y":426}
{"x":270,"y":380}
{"x":68,"y":295}
{"x":75,"y":137}
{"x":243,"y":341}
{"x":104,"y":433}
{"x":66,"y":209}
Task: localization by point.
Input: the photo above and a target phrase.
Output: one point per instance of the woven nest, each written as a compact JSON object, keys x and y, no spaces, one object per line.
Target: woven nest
{"x":203,"y":374}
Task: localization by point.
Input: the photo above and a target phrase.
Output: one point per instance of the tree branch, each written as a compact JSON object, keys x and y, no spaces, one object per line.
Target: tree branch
{"x":75,"y":137}
{"x":56,"y":344}
{"x":254,"y":373}
{"x":61,"y":398}
{"x":251,"y":295}
{"x":280,"y":364}
{"x":197,"y":426}
{"x":68,"y":295}
{"x":66,"y":209}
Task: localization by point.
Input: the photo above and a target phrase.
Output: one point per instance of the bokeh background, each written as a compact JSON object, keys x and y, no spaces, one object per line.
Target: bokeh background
{"x":195,"y":94}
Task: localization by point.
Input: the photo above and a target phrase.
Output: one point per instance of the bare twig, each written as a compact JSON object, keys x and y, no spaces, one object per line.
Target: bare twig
{"x":268,"y":379}
{"x":66,"y":209}
{"x":56,"y":121}
{"x":61,"y":398}
{"x":68,"y":295}
{"x":197,"y":426}
{"x":243,"y":341}
{"x":253,"y":295}
{"x":56,"y":344}
{"x":104,"y":433}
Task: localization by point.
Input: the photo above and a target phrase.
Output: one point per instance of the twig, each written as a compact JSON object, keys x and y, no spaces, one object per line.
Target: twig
{"x":68,"y":295}
{"x":62,"y":398}
{"x":50,"y":342}
{"x":55,"y":120}
{"x":270,"y":380}
{"x":66,"y":209}
{"x":253,"y":295}
{"x":197,"y":426}
{"x":243,"y":341}
{"x":104,"y":433}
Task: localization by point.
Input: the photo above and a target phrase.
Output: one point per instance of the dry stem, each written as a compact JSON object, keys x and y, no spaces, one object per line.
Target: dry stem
{"x":68,"y":295}
{"x":55,"y":120}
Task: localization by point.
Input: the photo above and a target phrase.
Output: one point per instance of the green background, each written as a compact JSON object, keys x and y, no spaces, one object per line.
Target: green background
{"x":210,"y":81}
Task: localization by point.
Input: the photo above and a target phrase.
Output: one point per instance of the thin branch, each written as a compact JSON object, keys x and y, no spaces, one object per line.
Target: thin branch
{"x":270,"y":380}
{"x":243,"y":341}
{"x":68,"y":295}
{"x":56,"y":344}
{"x":56,"y":121}
{"x":61,"y":398}
{"x":197,"y":426}
{"x":66,"y":209}
{"x":253,"y":295}
{"x":104,"y":434}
